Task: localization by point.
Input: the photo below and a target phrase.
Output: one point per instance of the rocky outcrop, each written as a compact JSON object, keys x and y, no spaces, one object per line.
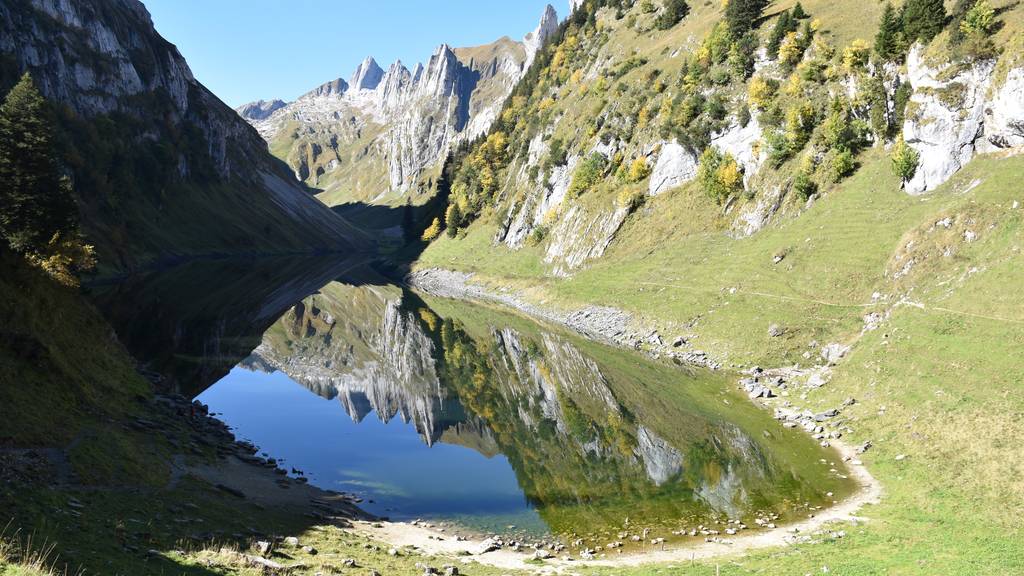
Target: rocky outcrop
{"x":380,"y":131}
{"x":756,"y":215}
{"x":662,"y":461}
{"x":367,"y":75}
{"x":580,"y":236}
{"x":945,"y":118}
{"x":534,"y":41}
{"x":741,"y":142}
{"x":676,"y":165}
{"x":260,"y":109}
{"x":955,"y":112}
{"x":531,"y":213}
{"x":209,"y":184}
{"x":1004,"y":116}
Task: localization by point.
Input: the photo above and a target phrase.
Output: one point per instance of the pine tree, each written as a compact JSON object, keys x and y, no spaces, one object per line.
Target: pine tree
{"x":672,"y":13}
{"x":453,"y":219}
{"x":742,"y":15}
{"x":783,"y":25}
{"x":798,"y":12}
{"x":35,"y":200}
{"x":923,"y":19}
{"x":887,"y":40}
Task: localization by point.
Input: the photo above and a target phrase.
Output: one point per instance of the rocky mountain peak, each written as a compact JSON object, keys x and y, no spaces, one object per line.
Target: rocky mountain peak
{"x":260,"y":109}
{"x":367,"y":75}
{"x":335,"y":87}
{"x":439,"y":76}
{"x":534,"y":40}
{"x":397,"y":122}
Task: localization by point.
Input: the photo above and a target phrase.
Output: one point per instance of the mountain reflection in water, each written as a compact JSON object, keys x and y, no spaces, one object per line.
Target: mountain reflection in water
{"x":514,"y":423}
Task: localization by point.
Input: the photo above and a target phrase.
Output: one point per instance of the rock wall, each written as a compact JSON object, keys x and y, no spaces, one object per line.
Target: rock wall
{"x":955,"y":113}
{"x":676,"y":165}
{"x":104,"y":60}
{"x":404,"y":121}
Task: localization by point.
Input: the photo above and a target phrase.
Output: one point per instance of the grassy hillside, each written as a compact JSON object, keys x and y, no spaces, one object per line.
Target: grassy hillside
{"x":936,"y":382}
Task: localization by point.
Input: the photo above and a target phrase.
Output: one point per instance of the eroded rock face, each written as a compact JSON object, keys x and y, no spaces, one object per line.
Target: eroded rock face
{"x":580,"y":236}
{"x":534,"y":41}
{"x":662,"y":461}
{"x":383,"y":129}
{"x":1004,"y":116}
{"x":367,"y":75}
{"x":945,"y":118}
{"x":956,"y":113}
{"x":533,"y":210}
{"x":676,"y":165}
{"x":753,"y":217}
{"x":740,"y":141}
{"x":102,"y":58}
{"x":260,"y":109}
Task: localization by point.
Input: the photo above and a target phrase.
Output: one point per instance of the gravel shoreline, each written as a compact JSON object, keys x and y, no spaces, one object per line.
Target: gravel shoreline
{"x":602,"y":323}
{"x":769,"y":389}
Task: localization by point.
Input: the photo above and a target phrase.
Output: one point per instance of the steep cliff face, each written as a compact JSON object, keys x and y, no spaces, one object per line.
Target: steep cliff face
{"x":162,"y":167}
{"x":956,"y":111}
{"x":606,"y":131}
{"x":260,"y":109}
{"x":376,"y":135}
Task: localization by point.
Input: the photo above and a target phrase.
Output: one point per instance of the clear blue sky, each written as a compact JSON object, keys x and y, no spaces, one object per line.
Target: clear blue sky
{"x":245,"y":50}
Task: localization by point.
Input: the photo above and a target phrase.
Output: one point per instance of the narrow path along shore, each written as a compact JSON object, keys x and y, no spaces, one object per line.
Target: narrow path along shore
{"x":432,"y":541}
{"x":612,"y":326}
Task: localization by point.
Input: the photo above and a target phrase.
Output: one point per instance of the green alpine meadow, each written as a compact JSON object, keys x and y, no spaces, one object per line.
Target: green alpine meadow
{"x":597,"y":287}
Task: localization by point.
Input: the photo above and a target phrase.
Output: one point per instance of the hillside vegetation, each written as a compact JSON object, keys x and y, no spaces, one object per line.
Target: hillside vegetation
{"x":788,"y":205}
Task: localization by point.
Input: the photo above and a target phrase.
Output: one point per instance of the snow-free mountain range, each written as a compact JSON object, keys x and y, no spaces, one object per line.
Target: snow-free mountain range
{"x":381,"y":133}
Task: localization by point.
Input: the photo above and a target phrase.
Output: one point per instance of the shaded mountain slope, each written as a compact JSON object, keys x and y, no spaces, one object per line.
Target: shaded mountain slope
{"x":161,"y":166}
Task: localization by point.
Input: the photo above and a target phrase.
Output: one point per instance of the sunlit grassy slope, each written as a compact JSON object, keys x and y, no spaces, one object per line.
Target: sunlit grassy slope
{"x":939,"y":382}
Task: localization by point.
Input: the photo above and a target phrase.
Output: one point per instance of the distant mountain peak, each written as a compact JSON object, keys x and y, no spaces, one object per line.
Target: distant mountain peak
{"x":379,"y":132}
{"x":367,"y":75}
{"x":260,"y":109}
{"x":533,"y":41}
{"x":335,"y":87}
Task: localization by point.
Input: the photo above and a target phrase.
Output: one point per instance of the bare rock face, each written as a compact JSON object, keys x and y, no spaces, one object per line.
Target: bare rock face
{"x":381,"y":130}
{"x":367,"y":75}
{"x":956,"y":113}
{"x":945,"y":118}
{"x":1004,"y":116}
{"x":580,"y":236}
{"x":260,"y":109}
{"x":534,"y":41}
{"x":100,"y":59}
{"x":662,"y":461}
{"x":335,"y":87}
{"x":756,"y":215}
{"x":676,"y":165}
{"x":740,"y":142}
